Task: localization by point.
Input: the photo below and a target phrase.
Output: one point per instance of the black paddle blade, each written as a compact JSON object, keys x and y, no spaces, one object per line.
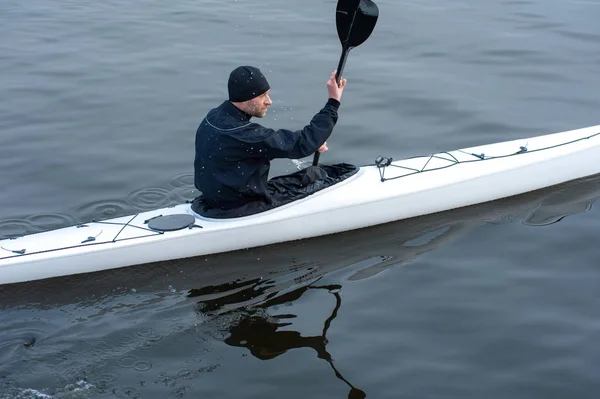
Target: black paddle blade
{"x":356,"y":394}
{"x":355,"y":21}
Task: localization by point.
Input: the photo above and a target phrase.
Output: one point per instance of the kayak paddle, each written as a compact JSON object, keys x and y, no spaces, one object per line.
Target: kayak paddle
{"x":355,"y":21}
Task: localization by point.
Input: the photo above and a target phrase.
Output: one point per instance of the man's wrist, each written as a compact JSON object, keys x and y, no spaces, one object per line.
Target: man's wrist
{"x":334,"y":101}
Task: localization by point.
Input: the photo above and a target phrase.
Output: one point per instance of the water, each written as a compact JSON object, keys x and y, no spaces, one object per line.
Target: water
{"x":99,"y":106}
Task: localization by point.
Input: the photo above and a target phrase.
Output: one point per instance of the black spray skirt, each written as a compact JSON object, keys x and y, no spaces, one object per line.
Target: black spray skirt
{"x":283,"y":190}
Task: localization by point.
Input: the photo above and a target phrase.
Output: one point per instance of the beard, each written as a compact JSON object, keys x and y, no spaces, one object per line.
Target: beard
{"x":259,"y":113}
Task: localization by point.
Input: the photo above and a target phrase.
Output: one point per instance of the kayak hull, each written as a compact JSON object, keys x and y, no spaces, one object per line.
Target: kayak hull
{"x":409,"y":188}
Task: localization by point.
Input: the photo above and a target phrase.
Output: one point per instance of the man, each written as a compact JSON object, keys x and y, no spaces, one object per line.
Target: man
{"x":233,"y":154}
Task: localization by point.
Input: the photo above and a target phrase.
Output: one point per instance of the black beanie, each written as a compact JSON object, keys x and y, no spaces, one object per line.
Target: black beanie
{"x":245,"y":83}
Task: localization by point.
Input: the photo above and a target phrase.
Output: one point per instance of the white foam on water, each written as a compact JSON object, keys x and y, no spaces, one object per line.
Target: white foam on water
{"x":71,"y":391}
{"x":25,"y":394}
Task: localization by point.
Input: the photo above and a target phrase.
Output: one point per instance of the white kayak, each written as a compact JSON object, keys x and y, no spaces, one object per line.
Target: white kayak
{"x":377,"y":194}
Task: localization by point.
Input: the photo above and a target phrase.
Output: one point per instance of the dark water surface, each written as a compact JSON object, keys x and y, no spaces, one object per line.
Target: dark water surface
{"x":98,"y":108}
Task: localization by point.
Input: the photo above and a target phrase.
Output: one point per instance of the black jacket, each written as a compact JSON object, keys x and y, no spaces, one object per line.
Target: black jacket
{"x":233,"y":154}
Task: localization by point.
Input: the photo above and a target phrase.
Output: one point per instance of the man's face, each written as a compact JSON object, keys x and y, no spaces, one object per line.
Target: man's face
{"x":258,"y":105}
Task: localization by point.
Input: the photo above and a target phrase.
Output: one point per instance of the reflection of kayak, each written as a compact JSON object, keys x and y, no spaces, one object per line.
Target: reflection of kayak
{"x":375,"y":195}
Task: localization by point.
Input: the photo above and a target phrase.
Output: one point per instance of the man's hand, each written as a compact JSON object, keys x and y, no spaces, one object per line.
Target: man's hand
{"x":335,"y":90}
{"x":323,"y":148}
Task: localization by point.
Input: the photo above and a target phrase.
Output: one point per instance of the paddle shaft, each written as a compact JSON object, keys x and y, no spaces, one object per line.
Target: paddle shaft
{"x":341,"y":65}
{"x":338,"y":78}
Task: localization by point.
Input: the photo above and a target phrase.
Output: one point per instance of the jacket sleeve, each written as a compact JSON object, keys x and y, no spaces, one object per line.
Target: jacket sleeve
{"x":285,"y":143}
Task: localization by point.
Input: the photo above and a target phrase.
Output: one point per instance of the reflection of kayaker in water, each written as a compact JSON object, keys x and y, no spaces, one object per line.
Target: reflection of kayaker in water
{"x":233,"y":154}
{"x":259,"y":334}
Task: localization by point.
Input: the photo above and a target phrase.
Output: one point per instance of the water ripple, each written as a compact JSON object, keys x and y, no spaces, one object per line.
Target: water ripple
{"x":150,"y":198}
{"x":43,"y":222}
{"x":127,"y":361}
{"x":15,"y":227}
{"x":182,"y":180}
{"x":103,"y":209}
{"x":142,"y":365}
{"x":127,"y":393}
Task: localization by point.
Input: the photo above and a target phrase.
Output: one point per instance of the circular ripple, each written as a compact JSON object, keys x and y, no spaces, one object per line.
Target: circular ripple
{"x":150,"y":198}
{"x":51,"y":221}
{"x":102,"y":387}
{"x":106,"y":377}
{"x":142,"y":365}
{"x":15,"y":227}
{"x":218,"y":335}
{"x":204,"y":351}
{"x":27,"y":336}
{"x":145,"y":332}
{"x":127,"y":393}
{"x":105,"y":209}
{"x":201,"y":340}
{"x":127,"y":361}
{"x":151,"y":341}
{"x":182,"y":180}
